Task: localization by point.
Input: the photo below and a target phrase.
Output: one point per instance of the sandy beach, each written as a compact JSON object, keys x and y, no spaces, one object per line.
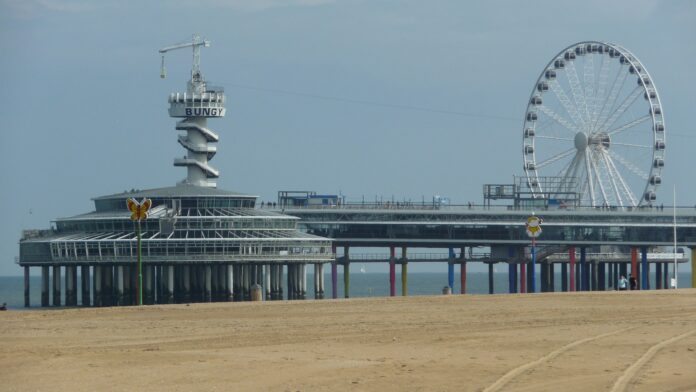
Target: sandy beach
{"x":602,"y":341}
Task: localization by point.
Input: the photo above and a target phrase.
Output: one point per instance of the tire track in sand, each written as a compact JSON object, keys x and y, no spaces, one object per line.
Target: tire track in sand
{"x":631,"y":372}
{"x":512,"y":374}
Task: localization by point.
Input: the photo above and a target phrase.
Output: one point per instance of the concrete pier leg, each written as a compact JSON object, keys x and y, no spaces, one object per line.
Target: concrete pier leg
{"x":119,"y":286}
{"x":462,"y":271}
{"x":571,"y":266}
{"x":147,"y":285}
{"x":644,"y":285}
{"x":392,"y":271}
{"x":530,"y":273}
{"x":45,"y":287}
{"x":247,"y":282}
{"x":450,"y":270}
{"x":56,"y":285}
{"x":584,"y":270}
{"x":610,"y":283}
{"x":602,"y":276}
{"x":634,"y":264}
{"x":208,"y":295}
{"x":290,"y":282}
{"x":491,"y":288}
{"x":346,"y":272}
{"x":594,"y":276}
{"x":303,"y":277}
{"x":133,"y":277}
{"x":552,"y":277}
{"x":318,"y":281}
{"x":230,"y":283}
{"x":169,"y":284}
{"x":27,"y":301}
{"x":512,"y":270}
{"x":86,"y":300}
{"x":564,"y":277}
{"x":186,"y":283}
{"x":665,"y":276}
{"x":97,"y":285}
{"x":543,"y":275}
{"x":108,"y":285}
{"x":334,"y":274}
{"x":280,"y":282}
{"x":658,"y":277}
{"x":267,"y":281}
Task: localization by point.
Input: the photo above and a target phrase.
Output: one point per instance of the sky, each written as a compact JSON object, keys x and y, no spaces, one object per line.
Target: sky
{"x":408,"y":99}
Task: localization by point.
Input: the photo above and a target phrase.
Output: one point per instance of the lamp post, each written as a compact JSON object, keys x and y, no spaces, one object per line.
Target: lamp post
{"x":139,"y":213}
{"x":533,"y":229}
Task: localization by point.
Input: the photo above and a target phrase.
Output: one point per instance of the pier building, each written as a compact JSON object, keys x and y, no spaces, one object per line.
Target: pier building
{"x":200,"y":243}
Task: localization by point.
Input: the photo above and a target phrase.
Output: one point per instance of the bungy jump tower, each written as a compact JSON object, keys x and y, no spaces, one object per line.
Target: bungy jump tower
{"x":199,"y":243}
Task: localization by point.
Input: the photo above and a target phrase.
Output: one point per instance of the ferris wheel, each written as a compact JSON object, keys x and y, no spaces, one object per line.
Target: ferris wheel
{"x":594,"y":123}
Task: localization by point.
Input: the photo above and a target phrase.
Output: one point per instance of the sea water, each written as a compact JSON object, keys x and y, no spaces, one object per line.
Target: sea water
{"x":370,"y":284}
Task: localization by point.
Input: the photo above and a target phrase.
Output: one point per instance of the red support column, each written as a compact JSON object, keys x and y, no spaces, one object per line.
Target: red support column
{"x":571,"y":255}
{"x":392,"y":271}
{"x":462,"y":267}
{"x":523,"y":277}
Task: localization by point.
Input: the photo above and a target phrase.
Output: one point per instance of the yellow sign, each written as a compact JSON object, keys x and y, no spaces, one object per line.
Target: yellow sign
{"x":138,"y":210}
{"x":533,"y":226}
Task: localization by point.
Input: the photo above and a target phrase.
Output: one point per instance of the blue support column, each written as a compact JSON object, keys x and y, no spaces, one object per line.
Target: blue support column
{"x":584,"y":270}
{"x":450,"y":269}
{"x":644,"y":268}
{"x":512,"y":277}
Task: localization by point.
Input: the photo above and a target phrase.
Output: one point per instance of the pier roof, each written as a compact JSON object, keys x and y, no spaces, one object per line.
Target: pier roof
{"x":180,"y":190}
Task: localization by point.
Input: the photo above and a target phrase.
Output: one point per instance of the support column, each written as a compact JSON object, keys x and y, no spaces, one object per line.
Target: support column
{"x":585,"y":271}
{"x":404,"y":272}
{"x":611,"y":276}
{"x":450,"y":270}
{"x":665,"y":276}
{"x":208,"y":283}
{"x":462,"y":271}
{"x":97,"y":282}
{"x":602,"y":276}
{"x":108,"y":285}
{"x":634,"y":264}
{"x":571,"y":255}
{"x":693,"y":268}
{"x":86,"y":300}
{"x":229,"y":282}
{"x":552,"y":277}
{"x":392,"y":271}
{"x":523,"y":276}
{"x":119,"y":286}
{"x":346,"y":272}
{"x":186,"y":283}
{"x":644,"y":285}
{"x":544,"y":275}
{"x":267,"y":281}
{"x":564,"y":277}
{"x":280,"y":281}
{"x":27,"y":301}
{"x":148,"y":284}
{"x":45,"y":287}
{"x":491,"y":289}
{"x":318,"y":281}
{"x":334,"y":274}
{"x":594,"y":285}
{"x":56,"y":285}
{"x":168,"y":271}
{"x":303,"y":281}
{"x":658,"y":276}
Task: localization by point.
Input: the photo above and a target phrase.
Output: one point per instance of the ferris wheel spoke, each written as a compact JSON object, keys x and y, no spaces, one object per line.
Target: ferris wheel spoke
{"x":565,"y":101}
{"x":630,"y":124}
{"x":630,"y":145}
{"x":601,"y":89}
{"x":614,"y":185}
{"x":578,"y":94}
{"x":553,"y":138}
{"x":598,"y":176}
{"x":628,"y":165}
{"x":558,"y":118}
{"x":590,"y":180}
{"x":627,"y":102}
{"x":565,"y":174}
{"x":588,"y":77}
{"x":610,"y":101}
{"x":627,"y":190}
{"x":555,"y":158}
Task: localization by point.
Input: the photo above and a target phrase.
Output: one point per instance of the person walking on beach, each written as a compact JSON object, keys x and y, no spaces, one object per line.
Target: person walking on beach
{"x":633,"y":282}
{"x":622,"y":283}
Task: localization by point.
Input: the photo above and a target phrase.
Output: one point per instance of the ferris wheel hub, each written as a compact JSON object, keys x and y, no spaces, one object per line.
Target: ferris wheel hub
{"x":581,"y":141}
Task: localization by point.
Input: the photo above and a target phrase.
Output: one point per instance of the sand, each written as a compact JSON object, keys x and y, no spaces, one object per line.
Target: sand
{"x":637,"y":341}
